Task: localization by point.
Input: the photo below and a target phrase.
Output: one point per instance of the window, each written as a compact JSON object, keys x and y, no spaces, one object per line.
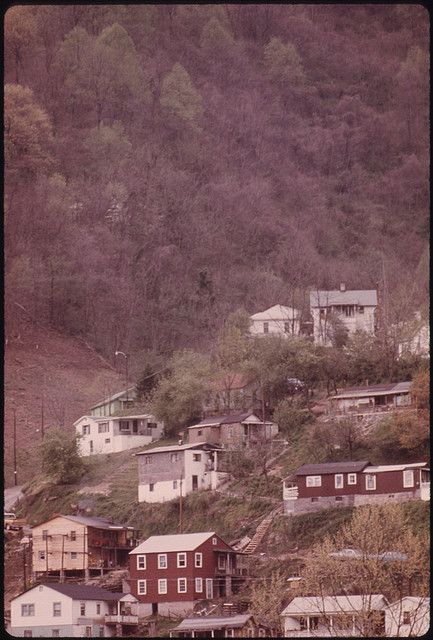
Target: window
{"x":27,"y":610}
{"x":360,"y":309}
{"x":214,"y":541}
{"x":107,"y":440}
{"x":314,"y":481}
{"x":406,"y":617}
{"x":351,"y":478}
{"x":57,"y":609}
{"x":162,"y":586}
{"x":27,"y":633}
{"x":199,"y":585}
{"x":198,"y":560}
{"x":103,"y":427}
{"x":148,"y":459}
{"x":98,"y":608}
{"x":41,"y":555}
{"x":174,"y":457}
{"x":151,"y":486}
{"x":408,"y":479}
{"x":181,"y":585}
{"x":45,"y":534}
{"x":196,"y":457}
{"x":73,"y":535}
{"x":174,"y":484}
{"x":338,"y":480}
{"x":86,"y":429}
{"x":181,"y":560}
{"x":141,"y":562}
{"x":82,"y":608}
{"x":266,"y":327}
{"x":74,"y":555}
{"x":56,"y":633}
{"x":141,"y":587}
{"x":370,"y":482}
{"x":162,"y":561}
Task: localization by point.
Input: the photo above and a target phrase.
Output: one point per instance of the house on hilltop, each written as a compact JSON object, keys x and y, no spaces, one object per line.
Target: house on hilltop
{"x":72,"y":610}
{"x":355,"y":309}
{"x":232,"y":431}
{"x":351,"y":484}
{"x":78,"y":545}
{"x":277,"y":320}
{"x":170,"y":573}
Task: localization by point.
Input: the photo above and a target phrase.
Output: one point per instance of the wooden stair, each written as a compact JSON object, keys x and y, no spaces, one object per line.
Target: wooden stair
{"x":261,"y":530}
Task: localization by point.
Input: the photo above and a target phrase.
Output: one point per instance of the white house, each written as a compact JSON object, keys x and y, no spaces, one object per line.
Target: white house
{"x":409,"y":616}
{"x":166,"y":473}
{"x":355,"y":309}
{"x":334,"y":616}
{"x":277,"y":320}
{"x":112,"y":434}
{"x":72,"y":610}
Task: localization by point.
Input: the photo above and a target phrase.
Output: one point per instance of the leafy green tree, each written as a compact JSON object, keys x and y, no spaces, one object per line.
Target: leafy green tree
{"x":60,"y":457}
{"x":179,"y":96}
{"x":283,"y":62}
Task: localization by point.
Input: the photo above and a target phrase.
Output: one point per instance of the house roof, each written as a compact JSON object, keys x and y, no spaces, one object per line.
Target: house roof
{"x":393,"y":467}
{"x":351,"y":466}
{"x":178,"y":447}
{"x":172,"y":542}
{"x":229,"y":419}
{"x":277,"y":312}
{"x":81,"y":592}
{"x":115,"y":396}
{"x":97,"y":523}
{"x":373,"y":390}
{"x":333,"y":604}
{"x":200,"y":623}
{"x":362,"y":297}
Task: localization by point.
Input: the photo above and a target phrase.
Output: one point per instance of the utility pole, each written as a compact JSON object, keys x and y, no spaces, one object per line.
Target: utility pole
{"x":15,"y":448}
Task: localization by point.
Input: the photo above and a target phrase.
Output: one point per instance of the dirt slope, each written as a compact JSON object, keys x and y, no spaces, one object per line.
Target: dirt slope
{"x":43,"y":367}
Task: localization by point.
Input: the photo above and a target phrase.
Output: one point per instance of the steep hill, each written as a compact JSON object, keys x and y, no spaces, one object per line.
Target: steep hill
{"x":49,"y":373}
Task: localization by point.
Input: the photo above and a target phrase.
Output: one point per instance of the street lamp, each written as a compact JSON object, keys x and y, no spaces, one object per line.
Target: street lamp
{"x":120,"y":353}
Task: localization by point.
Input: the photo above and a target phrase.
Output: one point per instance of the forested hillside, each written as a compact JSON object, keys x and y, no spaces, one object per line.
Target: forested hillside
{"x":166,"y":165}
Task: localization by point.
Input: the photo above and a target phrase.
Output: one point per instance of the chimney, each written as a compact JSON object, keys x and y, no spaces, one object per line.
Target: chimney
{"x":342,"y":286}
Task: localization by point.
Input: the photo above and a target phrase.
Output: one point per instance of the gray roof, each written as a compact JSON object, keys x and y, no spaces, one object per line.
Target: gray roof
{"x":97,"y":523}
{"x":363,"y":297}
{"x":374,"y":390}
{"x":200,"y":623}
{"x":84,"y":592}
{"x":352,"y":466}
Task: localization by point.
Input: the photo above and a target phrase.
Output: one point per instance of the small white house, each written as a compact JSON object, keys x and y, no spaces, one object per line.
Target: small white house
{"x":277,"y":320}
{"x":355,"y":309}
{"x":409,"y":616}
{"x":72,"y":610}
{"x":166,"y":473}
{"x":112,"y":434}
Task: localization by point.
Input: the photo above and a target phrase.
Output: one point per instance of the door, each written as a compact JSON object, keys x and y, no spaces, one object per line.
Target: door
{"x":194,"y":483}
{"x":209,"y":588}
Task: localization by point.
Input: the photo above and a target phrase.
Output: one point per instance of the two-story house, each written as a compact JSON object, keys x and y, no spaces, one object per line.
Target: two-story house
{"x":332,"y":484}
{"x":79,"y":545}
{"x":277,"y":320}
{"x":355,"y":309}
{"x":371,"y":398}
{"x":99,"y":435}
{"x":170,"y":573}
{"x":233,"y":431}
{"x":72,"y":610}
{"x":166,"y":473}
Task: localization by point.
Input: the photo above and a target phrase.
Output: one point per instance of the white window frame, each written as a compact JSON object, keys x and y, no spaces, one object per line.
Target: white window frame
{"x":411,"y":484}
{"x":181,"y":560}
{"x":313,"y":481}
{"x":340,"y":476}
{"x":160,"y":557}
{"x":162,"y":586}
{"x":141,"y":557}
{"x":373,"y":476}
{"x":351,"y":478}
{"x":199,"y":585}
{"x":182,"y":581}
{"x":198,"y":560}
{"x":141,"y":587}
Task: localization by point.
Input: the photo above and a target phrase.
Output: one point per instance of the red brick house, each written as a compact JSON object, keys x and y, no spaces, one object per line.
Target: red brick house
{"x":170,"y":573}
{"x":332,"y":484}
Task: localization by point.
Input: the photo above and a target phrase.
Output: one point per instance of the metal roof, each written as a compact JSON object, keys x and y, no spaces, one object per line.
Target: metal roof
{"x":228,"y":419}
{"x":277,"y":312}
{"x":333,"y":604}
{"x":173,"y":542}
{"x":374,"y":390}
{"x":362,"y":297}
{"x":97,"y":523}
{"x":178,"y":447}
{"x":212,"y":622}
{"x":84,"y":592}
{"x":351,"y":466}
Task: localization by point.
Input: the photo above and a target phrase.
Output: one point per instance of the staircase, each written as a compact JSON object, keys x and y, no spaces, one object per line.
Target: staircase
{"x":262,"y":530}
